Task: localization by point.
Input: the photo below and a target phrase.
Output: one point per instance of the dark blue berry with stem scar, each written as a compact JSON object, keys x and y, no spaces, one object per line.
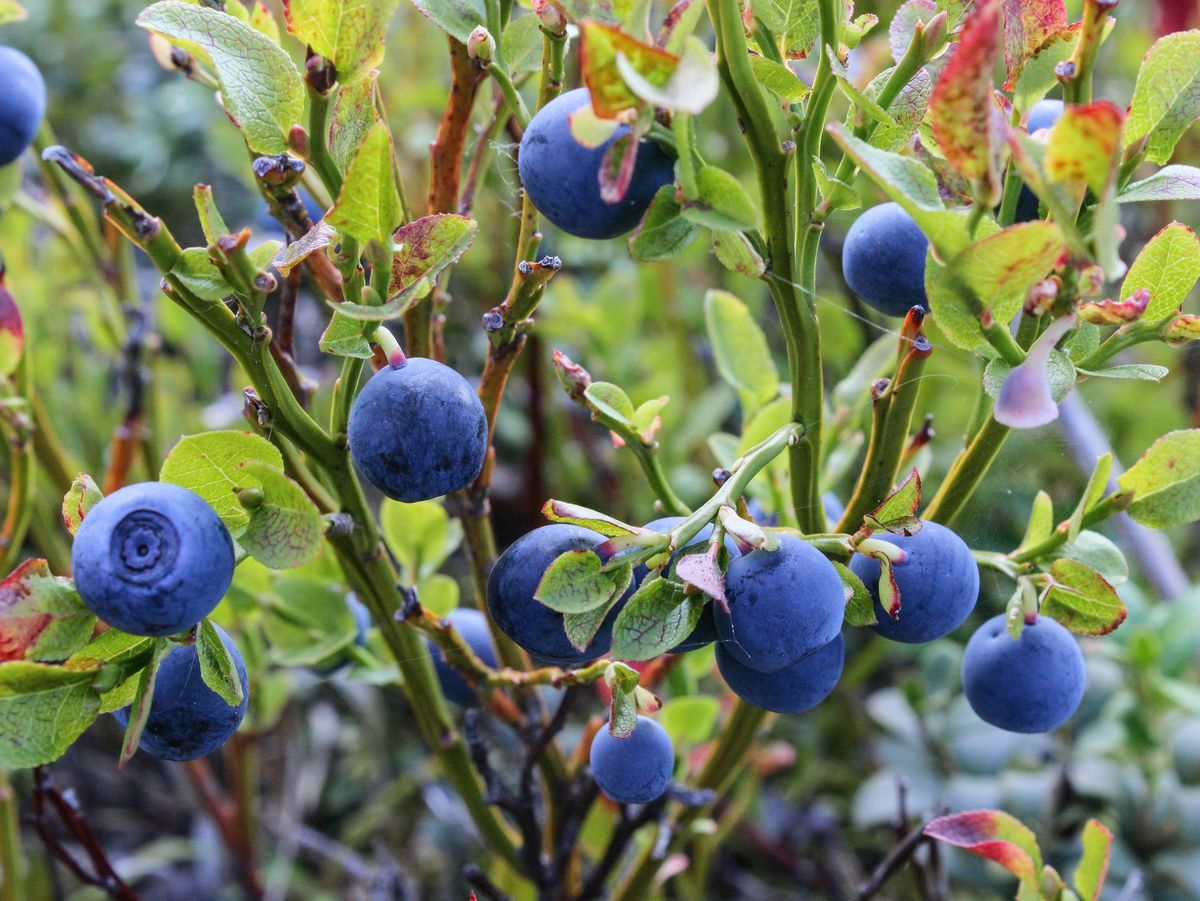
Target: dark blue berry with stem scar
{"x":883,"y":259}
{"x":938,"y":582}
{"x":633,"y":770}
{"x":783,"y":605}
{"x":1043,"y":115}
{"x":418,"y":431}
{"x":473,"y":627}
{"x":530,"y":623}
{"x":187,"y":718}
{"x":1032,"y":684}
{"x":793,"y":689}
{"x":152,"y":559}
{"x":562,"y":177}
{"x":22,"y":103}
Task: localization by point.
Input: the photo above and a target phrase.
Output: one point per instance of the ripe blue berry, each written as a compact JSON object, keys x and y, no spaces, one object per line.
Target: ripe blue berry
{"x":472,"y":626}
{"x":633,"y":770}
{"x":938,"y":582}
{"x":562,"y":177}
{"x":783,"y":605}
{"x":187,"y":718}
{"x":883,"y":260}
{"x":418,"y":431}
{"x":152,"y":559}
{"x":530,"y":623}
{"x":1032,"y":684}
{"x":793,"y":689}
{"x":22,"y":103}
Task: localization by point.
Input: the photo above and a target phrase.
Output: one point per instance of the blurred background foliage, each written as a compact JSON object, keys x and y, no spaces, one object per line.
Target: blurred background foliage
{"x":349,"y":806}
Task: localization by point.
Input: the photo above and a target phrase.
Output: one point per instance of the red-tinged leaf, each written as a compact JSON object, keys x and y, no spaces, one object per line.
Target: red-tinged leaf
{"x":1085,"y":144}
{"x":428,"y":245}
{"x":1082,"y":599}
{"x":1028,"y":24}
{"x":317,"y":238}
{"x":1182,"y":329}
{"x":599,"y":47}
{"x":83,"y":494}
{"x":1093,"y":865}
{"x":898,"y":512}
{"x":962,"y":108}
{"x":12,"y":330}
{"x":616,"y":169}
{"x":889,"y":590}
{"x":702,"y":571}
{"x":560,"y":511}
{"x":995,"y":835}
{"x":41,"y":616}
{"x":1116,"y":312}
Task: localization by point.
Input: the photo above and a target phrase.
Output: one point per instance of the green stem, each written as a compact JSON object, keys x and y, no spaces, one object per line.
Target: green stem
{"x":649,"y":459}
{"x":966,"y":473}
{"x":998,"y":335}
{"x":11,"y":859}
{"x":318,"y":142}
{"x":512,"y":97}
{"x":1109,"y":506}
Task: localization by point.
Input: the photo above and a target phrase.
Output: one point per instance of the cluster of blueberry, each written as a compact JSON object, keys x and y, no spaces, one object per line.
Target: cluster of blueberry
{"x":154,"y":559}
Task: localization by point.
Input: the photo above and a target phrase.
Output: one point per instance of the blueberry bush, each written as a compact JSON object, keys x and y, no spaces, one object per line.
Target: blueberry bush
{"x":309,"y":483}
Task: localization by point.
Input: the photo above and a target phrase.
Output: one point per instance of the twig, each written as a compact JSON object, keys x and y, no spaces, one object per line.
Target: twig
{"x":224,"y":815}
{"x":47,"y":798}
{"x":618,"y":842}
{"x":895,"y":860}
{"x":124,"y":445}
{"x":479,"y":881}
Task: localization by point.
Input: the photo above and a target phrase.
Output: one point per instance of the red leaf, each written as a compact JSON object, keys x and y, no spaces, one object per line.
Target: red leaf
{"x":965,"y":121}
{"x":1027,"y":25}
{"x":993,"y":834}
{"x":702,"y":571}
{"x":21,"y":619}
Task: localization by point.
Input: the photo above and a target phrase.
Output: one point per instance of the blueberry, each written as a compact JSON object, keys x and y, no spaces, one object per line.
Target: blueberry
{"x":1043,"y":115}
{"x":938,"y":582}
{"x":528,"y":622}
{"x":187,"y":718}
{"x":22,"y":103}
{"x":883,"y":259}
{"x":152,"y":559}
{"x":793,"y":689}
{"x":473,"y":627}
{"x":833,"y":507}
{"x":783,"y":605}
{"x":1032,"y":684}
{"x":633,"y":770}
{"x":362,"y":618}
{"x":418,"y":431}
{"x":562,"y":177}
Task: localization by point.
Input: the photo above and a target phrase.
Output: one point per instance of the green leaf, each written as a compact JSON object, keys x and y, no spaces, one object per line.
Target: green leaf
{"x":455,"y":17}
{"x":690,"y":719}
{"x":1082,"y":599}
{"x":1092,"y":493}
{"x":778,"y":79}
{"x":1093,"y":864}
{"x":576,"y":583}
{"x":795,"y":23}
{"x":663,"y":232}
{"x":123,"y":656}
{"x":1096,"y":551}
{"x":740,"y":347}
{"x":735,"y":252}
{"x":609,"y":401}
{"x":438,"y":594}
{"x":12,"y":11}
{"x":286,"y":528}
{"x":655,"y":619}
{"x":995,"y":835}
{"x":41,"y":616}
{"x":217,"y":667}
{"x":522,"y":44}
{"x":309,"y":623}
{"x":43,"y":709}
{"x":561,"y":511}
{"x":368,"y":207}
{"x":260,"y":85}
{"x":1140,"y":372}
{"x":209,"y":464}
{"x":200,"y":275}
{"x":1085,"y":146}
{"x":689,"y":89}
{"x":645,"y":416}
{"x":1166,"y":97}
{"x":1038,"y":76}
{"x":143,"y":699}
{"x":1168,"y":183}
{"x":344,"y":337}
{"x":992,"y":275}
{"x":211,"y":223}
{"x":906,"y":111}
{"x":623,"y":681}
{"x":581,"y":628}
{"x":351,"y":34}
{"x":1166,"y":481}
{"x":1041,"y":521}
{"x":355,"y":111}
{"x":262,"y":19}
{"x":600,"y":49}
{"x":720,"y":202}
{"x":860,"y":607}
{"x":83,"y":494}
{"x":898,"y":512}
{"x":1167,"y":267}
{"x":421,"y":535}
